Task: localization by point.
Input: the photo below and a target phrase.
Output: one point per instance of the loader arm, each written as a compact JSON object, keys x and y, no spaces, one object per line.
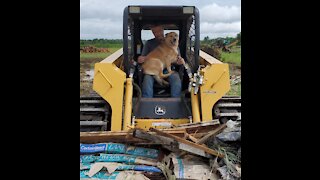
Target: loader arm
{"x":232,"y":44}
{"x":216,"y":83}
{"x":108,"y":82}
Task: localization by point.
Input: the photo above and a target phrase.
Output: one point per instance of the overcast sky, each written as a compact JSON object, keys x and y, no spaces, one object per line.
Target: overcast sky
{"x":103,"y":18}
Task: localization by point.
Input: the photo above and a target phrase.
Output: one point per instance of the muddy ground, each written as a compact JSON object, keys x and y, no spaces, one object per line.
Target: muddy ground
{"x":86,"y":80}
{"x":235,"y":70}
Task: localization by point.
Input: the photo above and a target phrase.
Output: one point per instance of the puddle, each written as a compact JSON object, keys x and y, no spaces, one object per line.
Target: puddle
{"x":89,"y":75}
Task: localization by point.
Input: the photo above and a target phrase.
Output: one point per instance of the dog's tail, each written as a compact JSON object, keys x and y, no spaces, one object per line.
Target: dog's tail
{"x":161,"y":81}
{"x":160,"y":78}
{"x":165,"y":75}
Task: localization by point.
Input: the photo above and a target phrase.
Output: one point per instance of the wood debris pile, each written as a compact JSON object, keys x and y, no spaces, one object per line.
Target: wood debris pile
{"x":207,"y":150}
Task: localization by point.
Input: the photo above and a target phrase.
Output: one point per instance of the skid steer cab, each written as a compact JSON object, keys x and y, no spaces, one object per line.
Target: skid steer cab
{"x":118,"y":78}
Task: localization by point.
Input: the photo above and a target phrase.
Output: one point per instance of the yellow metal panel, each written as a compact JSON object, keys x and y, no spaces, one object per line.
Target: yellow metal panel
{"x":195,"y":106}
{"x":216,"y":84}
{"x":128,"y":105}
{"x":159,"y":123}
{"x":108,"y":82}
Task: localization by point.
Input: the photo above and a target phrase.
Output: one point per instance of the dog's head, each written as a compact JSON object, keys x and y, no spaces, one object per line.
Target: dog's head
{"x":172,"y":39}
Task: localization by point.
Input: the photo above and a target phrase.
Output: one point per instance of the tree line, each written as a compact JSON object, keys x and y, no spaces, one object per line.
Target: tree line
{"x":221,"y":41}
{"x":101,"y":43}
{"x":117,"y":43}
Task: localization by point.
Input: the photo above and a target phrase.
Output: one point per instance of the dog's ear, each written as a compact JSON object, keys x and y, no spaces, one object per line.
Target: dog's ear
{"x":166,"y":34}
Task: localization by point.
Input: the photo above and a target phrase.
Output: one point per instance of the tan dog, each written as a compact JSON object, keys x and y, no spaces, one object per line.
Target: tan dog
{"x":162,"y":57}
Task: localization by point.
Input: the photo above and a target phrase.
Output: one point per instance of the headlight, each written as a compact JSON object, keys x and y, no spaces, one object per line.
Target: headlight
{"x":134,"y":9}
{"x":188,"y":10}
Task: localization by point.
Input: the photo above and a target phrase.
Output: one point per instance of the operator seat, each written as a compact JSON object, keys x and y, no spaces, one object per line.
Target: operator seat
{"x":158,"y":90}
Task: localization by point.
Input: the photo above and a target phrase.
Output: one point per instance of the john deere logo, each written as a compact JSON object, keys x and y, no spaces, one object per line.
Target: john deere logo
{"x":160,"y":110}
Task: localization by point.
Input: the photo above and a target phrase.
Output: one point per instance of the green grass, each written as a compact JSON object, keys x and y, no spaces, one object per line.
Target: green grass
{"x":235,"y":90}
{"x":97,"y":55}
{"x":234,"y":61}
{"x":234,"y":57}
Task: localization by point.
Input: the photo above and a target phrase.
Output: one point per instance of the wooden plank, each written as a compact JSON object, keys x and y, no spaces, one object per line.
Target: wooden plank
{"x":199,"y":127}
{"x":100,"y":137}
{"x":199,"y":135}
{"x":119,"y":136}
{"x":142,"y":134}
{"x":169,"y":143}
{"x":212,"y":133}
{"x":192,"y":138}
{"x":181,"y":140}
{"x":114,"y":56}
{"x":194,"y":150}
{"x":208,"y":58}
{"x":202,"y":129}
{"x":166,"y":142}
{"x":197,"y":124}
